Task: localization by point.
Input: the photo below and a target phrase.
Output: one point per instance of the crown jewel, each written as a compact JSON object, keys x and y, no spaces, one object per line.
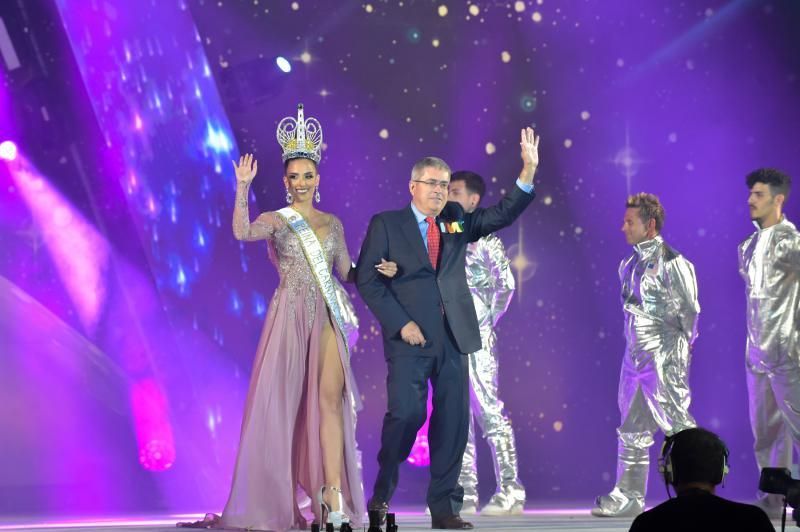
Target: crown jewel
{"x":301,"y":137}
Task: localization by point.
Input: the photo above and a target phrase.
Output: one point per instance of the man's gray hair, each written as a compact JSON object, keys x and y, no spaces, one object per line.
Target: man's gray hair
{"x":428,"y":162}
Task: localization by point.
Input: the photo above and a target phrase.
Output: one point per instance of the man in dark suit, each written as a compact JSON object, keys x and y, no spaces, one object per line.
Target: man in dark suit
{"x":429,"y":324}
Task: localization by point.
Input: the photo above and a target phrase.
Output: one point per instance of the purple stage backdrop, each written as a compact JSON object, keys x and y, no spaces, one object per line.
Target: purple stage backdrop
{"x":129,"y":315}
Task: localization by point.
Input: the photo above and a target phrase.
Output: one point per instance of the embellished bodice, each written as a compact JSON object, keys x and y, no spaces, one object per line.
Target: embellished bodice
{"x":286,"y":251}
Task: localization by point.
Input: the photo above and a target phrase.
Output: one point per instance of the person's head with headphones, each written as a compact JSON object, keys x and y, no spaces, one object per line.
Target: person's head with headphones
{"x":694,"y":459}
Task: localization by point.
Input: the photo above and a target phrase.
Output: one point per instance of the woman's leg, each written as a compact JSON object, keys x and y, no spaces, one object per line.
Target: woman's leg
{"x":331,"y":431}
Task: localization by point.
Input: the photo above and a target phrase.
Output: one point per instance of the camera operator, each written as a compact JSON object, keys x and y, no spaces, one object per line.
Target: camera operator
{"x":694,"y":461}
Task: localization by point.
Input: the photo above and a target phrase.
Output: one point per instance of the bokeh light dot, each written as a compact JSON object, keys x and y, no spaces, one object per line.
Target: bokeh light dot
{"x":490,"y":148}
{"x":567,"y":143}
{"x":442,"y":10}
{"x":527,"y":102}
{"x":536,"y":17}
{"x":505,"y":56}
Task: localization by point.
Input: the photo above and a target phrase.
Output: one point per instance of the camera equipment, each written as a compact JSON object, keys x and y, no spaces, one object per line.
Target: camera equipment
{"x":778,"y":480}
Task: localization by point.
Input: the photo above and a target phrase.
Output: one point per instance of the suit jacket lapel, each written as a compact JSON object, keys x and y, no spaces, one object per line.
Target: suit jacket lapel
{"x":410,"y":229}
{"x":448,"y":244}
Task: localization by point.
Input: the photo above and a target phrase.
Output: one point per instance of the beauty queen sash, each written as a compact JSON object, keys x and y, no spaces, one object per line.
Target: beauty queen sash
{"x":315,"y":256}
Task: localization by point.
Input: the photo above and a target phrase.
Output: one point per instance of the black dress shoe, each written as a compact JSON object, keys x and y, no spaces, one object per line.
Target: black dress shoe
{"x":380,"y":507}
{"x":450,"y":522}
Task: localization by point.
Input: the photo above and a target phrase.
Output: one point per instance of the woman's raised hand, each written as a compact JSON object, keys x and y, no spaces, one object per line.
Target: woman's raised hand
{"x":246,"y":169}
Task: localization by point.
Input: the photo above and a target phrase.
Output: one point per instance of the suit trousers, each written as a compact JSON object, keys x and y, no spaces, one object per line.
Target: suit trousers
{"x":407,"y":393}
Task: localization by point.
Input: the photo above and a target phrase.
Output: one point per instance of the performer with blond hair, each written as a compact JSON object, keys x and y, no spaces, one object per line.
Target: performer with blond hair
{"x":659,"y":302}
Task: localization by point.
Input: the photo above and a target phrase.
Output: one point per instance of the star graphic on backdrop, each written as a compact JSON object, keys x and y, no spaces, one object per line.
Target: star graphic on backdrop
{"x":627,"y":161}
{"x":522,"y":265}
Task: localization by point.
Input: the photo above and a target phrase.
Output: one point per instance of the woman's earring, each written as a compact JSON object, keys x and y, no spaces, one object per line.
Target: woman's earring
{"x":288,"y":196}
{"x":316,"y":195}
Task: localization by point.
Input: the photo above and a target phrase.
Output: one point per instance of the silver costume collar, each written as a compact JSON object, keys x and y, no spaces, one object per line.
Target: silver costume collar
{"x":783,"y":221}
{"x":642,"y":248}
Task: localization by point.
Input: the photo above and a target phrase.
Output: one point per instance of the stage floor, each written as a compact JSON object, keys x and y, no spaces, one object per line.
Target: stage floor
{"x":560,"y":520}
{"x":556,"y":520}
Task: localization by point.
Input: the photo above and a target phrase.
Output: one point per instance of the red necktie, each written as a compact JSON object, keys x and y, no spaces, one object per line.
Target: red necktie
{"x":434,"y":241}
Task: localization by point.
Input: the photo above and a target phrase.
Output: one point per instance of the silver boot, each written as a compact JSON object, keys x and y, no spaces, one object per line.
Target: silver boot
{"x":510,"y":496}
{"x":468,"y":479}
{"x":633,"y":466}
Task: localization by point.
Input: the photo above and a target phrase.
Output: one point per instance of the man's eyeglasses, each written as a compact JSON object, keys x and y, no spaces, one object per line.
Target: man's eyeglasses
{"x":433,"y":184}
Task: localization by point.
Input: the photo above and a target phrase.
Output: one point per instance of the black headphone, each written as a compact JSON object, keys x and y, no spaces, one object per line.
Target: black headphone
{"x":667,"y":469}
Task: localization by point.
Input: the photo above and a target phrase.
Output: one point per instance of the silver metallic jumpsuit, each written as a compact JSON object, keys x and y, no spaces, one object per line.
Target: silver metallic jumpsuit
{"x":659,"y":301}
{"x":491,"y":282}
{"x":769,"y":262}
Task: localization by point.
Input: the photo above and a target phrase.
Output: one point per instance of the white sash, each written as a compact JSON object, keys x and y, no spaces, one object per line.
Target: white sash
{"x":315,"y":256}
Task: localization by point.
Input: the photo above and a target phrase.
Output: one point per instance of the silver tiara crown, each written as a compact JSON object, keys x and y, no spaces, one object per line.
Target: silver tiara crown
{"x":301,"y":137}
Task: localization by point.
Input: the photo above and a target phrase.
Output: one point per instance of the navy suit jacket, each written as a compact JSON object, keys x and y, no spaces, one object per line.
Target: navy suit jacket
{"x":418,"y":292}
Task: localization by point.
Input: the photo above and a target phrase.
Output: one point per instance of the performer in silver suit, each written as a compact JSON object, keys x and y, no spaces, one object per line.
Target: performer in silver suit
{"x":769,"y":262}
{"x":659,"y":301}
{"x":491,"y":283}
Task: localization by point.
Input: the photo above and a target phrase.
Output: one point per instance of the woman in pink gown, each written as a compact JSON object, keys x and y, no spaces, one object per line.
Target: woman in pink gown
{"x":300,"y":406}
{"x":299,"y":417}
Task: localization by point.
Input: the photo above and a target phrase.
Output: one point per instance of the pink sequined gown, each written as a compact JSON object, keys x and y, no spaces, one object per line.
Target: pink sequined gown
{"x":280,"y":440}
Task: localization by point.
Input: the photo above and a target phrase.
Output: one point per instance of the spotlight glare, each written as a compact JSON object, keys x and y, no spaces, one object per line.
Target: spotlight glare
{"x":8,"y":150}
{"x":283,"y":64}
{"x":217,"y":139}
